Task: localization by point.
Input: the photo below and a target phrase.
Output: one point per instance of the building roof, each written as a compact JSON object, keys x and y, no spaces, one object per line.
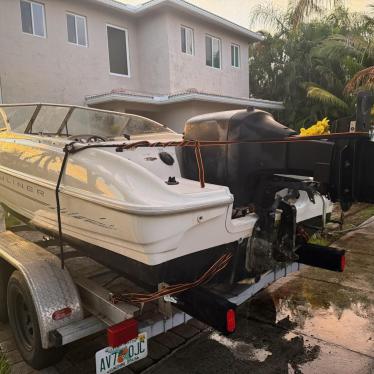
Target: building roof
{"x":141,"y":9}
{"x":189,"y":95}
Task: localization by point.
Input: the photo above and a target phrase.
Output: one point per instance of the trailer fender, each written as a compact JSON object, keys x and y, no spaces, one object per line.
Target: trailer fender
{"x":51,"y":287}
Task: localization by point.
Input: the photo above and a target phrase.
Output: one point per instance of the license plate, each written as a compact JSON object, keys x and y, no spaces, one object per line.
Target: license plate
{"x":109,"y":359}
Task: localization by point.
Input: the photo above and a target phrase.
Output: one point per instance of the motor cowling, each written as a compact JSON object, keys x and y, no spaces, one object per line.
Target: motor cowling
{"x":240,"y":166}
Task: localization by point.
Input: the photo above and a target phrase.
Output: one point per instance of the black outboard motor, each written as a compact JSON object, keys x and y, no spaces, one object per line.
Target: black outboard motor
{"x":241,"y":167}
{"x":365,"y":103}
{"x":249,"y":167}
{"x":257,"y":162}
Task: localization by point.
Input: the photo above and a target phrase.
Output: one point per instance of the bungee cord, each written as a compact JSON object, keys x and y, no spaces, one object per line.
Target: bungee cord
{"x":175,"y":289}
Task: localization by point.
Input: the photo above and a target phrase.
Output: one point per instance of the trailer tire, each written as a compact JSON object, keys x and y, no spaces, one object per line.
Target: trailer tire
{"x":3,"y":303}
{"x":5,"y":271}
{"x":25,"y":326}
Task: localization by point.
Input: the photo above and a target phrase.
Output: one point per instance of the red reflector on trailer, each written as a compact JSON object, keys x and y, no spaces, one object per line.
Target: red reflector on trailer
{"x":342,"y":263}
{"x":122,"y":332}
{"x":230,"y":320}
{"x":61,"y":314}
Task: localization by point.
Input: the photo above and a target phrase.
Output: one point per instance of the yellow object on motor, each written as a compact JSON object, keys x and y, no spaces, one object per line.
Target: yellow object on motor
{"x":319,"y":128}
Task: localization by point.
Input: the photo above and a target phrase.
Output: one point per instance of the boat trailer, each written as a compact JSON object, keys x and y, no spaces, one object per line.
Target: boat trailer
{"x":75,"y":302}
{"x":53,"y":305}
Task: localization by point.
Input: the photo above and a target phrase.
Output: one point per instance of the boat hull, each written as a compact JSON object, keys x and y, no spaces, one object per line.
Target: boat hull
{"x":183,"y":269}
{"x":121,"y":212}
{"x":117,"y":204}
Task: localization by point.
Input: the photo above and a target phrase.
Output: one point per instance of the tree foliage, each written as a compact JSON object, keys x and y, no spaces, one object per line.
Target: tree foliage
{"x":307,"y":60}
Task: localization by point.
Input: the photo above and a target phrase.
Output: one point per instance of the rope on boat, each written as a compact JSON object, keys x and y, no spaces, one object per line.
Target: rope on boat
{"x":139,"y":298}
{"x":200,"y":165}
{"x":58,"y":206}
{"x":207,"y":143}
{"x":120,"y":147}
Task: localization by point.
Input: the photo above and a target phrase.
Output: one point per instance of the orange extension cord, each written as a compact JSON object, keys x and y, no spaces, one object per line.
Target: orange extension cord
{"x":222,"y":262}
{"x":210,"y":143}
{"x":207,"y":143}
{"x":219,"y":265}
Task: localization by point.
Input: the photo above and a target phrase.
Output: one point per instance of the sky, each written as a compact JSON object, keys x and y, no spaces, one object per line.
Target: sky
{"x":238,"y":10}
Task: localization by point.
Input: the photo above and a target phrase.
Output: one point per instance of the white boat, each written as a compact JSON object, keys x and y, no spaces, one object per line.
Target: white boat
{"x":119,"y":206}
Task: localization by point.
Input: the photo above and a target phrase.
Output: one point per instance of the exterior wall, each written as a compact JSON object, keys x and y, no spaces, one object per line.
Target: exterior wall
{"x":176,"y":115}
{"x":173,"y":115}
{"x":50,"y":69}
{"x":153,"y":48}
{"x":188,"y":71}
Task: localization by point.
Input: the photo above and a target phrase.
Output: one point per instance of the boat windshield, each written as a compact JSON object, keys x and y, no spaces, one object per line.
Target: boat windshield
{"x":73,"y":121}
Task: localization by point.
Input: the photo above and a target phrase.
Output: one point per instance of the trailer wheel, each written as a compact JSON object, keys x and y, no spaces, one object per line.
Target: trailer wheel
{"x":5,"y":271}
{"x":3,"y":304}
{"x":25,"y":326}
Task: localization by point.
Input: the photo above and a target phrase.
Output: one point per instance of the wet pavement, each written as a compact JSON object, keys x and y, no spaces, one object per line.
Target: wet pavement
{"x":314,"y":321}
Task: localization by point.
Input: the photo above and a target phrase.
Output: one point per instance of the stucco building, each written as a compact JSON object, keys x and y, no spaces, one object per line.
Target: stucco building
{"x":165,"y":59}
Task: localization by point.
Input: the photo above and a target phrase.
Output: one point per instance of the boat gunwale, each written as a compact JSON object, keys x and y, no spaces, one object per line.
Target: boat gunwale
{"x":116,"y":204}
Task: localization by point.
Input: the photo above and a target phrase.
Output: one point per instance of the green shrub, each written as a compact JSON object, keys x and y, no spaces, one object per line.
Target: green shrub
{"x":4,"y":365}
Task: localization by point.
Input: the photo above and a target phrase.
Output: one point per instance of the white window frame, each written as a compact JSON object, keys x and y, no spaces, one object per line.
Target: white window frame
{"x":235,"y":46}
{"x":128,"y":75}
{"x":76,"y":29}
{"x":220,"y":52}
{"x":193,"y":40}
{"x":32,"y":20}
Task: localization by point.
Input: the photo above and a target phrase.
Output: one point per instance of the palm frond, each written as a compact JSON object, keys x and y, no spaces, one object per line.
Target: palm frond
{"x":351,"y":66}
{"x":325,"y":97}
{"x":363,"y":79}
{"x":338,"y":46}
{"x":267,"y":15}
{"x":301,"y":9}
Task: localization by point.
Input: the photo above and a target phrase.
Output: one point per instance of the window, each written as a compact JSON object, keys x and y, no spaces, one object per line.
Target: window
{"x":235,"y":55}
{"x":213,"y":51}
{"x":48,"y":119}
{"x":33,"y":18}
{"x":77,"y":29}
{"x":17,"y":117}
{"x":118,"y":50}
{"x":187,"y":40}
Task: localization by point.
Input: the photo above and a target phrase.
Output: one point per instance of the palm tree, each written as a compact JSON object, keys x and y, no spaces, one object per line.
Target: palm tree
{"x":307,"y":63}
{"x":300,"y":10}
{"x":364,"y":79}
{"x":297,"y":12}
{"x":344,"y":55}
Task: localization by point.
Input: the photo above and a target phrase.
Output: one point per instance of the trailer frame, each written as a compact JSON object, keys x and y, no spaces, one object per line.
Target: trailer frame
{"x":54,"y":289}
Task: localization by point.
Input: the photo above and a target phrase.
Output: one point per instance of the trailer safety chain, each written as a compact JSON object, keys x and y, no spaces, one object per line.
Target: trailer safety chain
{"x":140,"y":298}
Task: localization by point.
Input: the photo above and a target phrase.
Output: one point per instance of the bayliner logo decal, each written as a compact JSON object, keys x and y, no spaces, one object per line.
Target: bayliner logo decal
{"x":32,"y":192}
{"x":20,"y":185}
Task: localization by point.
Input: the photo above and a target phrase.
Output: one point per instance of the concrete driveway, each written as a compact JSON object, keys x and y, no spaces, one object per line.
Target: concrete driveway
{"x":314,"y":321}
